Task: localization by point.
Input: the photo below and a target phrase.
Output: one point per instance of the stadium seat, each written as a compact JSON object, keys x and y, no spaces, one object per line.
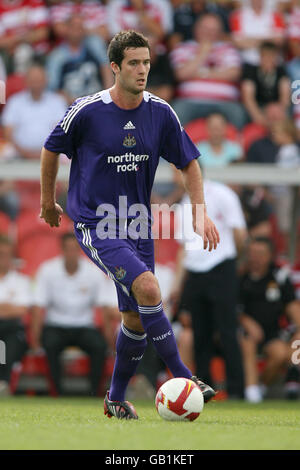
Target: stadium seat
{"x":197,"y":131}
{"x":252,"y":132}
{"x":37,"y":241}
{"x":14,"y":84}
{"x":4,"y":223}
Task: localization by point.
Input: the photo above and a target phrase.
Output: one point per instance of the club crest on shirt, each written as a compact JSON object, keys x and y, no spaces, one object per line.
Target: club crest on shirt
{"x":120,"y":273}
{"x":129,"y":141}
{"x":273,"y":292}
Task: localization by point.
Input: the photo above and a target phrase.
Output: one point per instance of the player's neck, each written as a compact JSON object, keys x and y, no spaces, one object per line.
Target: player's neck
{"x":124,"y":99}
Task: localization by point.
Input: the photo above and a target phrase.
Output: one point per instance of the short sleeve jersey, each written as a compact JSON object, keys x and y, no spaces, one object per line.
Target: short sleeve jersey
{"x":115,"y":152}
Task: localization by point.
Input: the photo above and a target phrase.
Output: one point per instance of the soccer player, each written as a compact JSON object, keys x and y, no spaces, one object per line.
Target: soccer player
{"x":115,"y":139}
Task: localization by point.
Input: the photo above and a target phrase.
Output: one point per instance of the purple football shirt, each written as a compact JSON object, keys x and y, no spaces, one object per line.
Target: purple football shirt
{"x":115,"y":152}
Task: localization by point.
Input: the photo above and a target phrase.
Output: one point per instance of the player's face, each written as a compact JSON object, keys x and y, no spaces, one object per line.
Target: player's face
{"x":135,"y":66}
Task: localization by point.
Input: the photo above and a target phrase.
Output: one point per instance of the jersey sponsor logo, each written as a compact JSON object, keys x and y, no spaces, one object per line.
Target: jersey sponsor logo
{"x":127,"y":162}
{"x":129,"y":141}
{"x":161,"y":337}
{"x":120,"y":273}
{"x":128,"y":126}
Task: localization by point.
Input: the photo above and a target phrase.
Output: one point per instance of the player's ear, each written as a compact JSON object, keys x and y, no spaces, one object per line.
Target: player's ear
{"x":115,"y":68}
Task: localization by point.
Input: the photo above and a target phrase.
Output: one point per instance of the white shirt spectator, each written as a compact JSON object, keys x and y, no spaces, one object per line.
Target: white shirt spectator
{"x":15,"y":288}
{"x":69,"y":299}
{"x":122,"y":16}
{"x":224,"y":208}
{"x":245,"y":23}
{"x":32,"y":120}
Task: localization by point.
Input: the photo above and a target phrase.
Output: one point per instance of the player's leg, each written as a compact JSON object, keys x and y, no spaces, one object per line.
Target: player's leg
{"x":130,"y":346}
{"x":159,"y":331}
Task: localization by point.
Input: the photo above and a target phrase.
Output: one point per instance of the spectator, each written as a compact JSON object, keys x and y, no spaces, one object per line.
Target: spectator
{"x":94,"y":16}
{"x":185,"y":14}
{"x":150,"y":17}
{"x":266,"y":294}
{"x":78,"y":67}
{"x":23,"y":32}
{"x":15,"y":299}
{"x":161,"y":80}
{"x":207,"y":70}
{"x":68,"y":287}
{"x":254,"y":23}
{"x":265,"y":83}
{"x":217,"y":150}
{"x":288,"y":156}
{"x":293,"y":31}
{"x":210,"y":286}
{"x":257,"y":210}
{"x":29,"y":115}
{"x":264,"y":150}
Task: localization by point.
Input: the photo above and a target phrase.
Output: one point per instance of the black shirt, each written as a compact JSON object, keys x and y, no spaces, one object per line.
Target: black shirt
{"x":265,"y":299}
{"x":267,"y":85}
{"x":263,"y":150}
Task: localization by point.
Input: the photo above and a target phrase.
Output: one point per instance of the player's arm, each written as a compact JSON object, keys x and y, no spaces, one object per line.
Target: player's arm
{"x":193,"y":182}
{"x":50,"y":210}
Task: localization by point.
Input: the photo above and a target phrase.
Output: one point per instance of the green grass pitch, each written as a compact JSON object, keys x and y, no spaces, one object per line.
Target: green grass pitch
{"x":79,"y":423}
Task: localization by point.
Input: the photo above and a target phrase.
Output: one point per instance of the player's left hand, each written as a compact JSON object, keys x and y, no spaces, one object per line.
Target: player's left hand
{"x":208,"y":232}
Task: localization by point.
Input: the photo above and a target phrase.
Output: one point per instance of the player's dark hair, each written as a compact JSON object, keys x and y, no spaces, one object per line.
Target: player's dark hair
{"x":124,"y":40}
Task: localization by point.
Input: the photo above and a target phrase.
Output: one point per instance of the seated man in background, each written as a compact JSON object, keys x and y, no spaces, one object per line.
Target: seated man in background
{"x":29,"y":115}
{"x":79,"y":65}
{"x":217,"y":150}
{"x":15,"y":299}
{"x":266,"y":294}
{"x":68,"y":288}
{"x":208,"y":71}
{"x":265,"y":83}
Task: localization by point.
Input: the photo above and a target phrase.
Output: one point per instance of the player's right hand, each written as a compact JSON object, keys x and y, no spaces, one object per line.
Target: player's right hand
{"x":52,"y":215}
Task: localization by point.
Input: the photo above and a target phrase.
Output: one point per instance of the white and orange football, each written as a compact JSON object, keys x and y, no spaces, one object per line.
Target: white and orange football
{"x":179,"y":399}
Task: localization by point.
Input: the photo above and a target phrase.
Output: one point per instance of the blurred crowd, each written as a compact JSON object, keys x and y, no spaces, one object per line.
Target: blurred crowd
{"x":230,"y":69}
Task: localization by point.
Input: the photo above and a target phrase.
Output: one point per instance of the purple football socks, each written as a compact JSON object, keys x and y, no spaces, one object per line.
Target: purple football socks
{"x":130,"y":348}
{"x":159,"y":332}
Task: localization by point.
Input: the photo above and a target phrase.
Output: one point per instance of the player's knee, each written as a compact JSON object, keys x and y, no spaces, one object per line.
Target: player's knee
{"x":146,"y":290}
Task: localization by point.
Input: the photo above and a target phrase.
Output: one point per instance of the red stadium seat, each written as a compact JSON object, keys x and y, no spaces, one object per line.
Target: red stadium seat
{"x":252,"y":132}
{"x":197,"y":131}
{"x":36,"y":240}
{"x":14,"y":84}
{"x":4,"y":223}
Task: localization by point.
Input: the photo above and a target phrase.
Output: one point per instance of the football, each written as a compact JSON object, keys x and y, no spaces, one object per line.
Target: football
{"x":179,"y":399}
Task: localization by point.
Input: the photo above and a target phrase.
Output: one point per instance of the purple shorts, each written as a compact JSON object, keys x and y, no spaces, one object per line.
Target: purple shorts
{"x":120,"y":259}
